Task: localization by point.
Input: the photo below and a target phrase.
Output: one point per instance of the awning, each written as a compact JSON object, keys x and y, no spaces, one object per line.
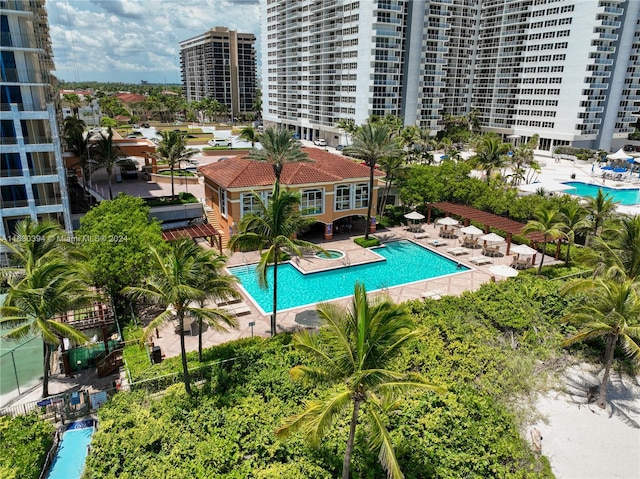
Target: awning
{"x":193,"y":232}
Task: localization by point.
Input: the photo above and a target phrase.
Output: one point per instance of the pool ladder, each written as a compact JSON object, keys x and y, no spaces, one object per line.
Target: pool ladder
{"x":345,"y":261}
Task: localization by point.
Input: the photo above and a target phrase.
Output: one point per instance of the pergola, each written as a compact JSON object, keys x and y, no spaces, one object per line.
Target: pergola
{"x":507,"y":225}
{"x":196,"y":231}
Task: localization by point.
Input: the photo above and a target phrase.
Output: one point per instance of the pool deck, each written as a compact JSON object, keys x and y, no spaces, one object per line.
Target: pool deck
{"x":302,"y":317}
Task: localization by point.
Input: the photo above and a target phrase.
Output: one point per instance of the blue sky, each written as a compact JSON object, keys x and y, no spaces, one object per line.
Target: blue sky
{"x":134,"y":40}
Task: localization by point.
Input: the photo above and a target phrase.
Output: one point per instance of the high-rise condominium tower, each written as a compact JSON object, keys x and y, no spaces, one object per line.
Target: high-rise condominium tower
{"x":567,"y":70}
{"x":220,"y":64}
{"x":32,"y":173}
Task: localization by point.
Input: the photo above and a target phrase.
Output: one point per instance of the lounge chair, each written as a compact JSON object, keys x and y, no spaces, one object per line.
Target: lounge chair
{"x":432,"y":294}
{"x":238,"y":308}
{"x":458,"y":250}
{"x":421,"y":235}
{"x":437,"y":242}
{"x":480,"y":260}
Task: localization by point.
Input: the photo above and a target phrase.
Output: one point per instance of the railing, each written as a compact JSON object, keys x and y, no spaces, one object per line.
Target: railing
{"x":110,"y":363}
{"x":52,"y":450}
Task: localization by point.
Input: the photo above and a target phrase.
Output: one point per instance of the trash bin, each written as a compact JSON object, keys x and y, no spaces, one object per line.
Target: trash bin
{"x":156,"y":355}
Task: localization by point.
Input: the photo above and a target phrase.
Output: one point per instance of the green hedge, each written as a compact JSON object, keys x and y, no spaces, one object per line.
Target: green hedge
{"x":25,"y":442}
{"x":367,"y":243}
{"x":182,"y":198}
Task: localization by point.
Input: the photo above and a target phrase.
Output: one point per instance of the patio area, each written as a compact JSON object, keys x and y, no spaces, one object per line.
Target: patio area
{"x":297,"y":318}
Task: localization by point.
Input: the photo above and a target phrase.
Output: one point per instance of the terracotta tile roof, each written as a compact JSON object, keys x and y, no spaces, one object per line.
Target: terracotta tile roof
{"x":324,"y":167}
{"x":130,"y":97}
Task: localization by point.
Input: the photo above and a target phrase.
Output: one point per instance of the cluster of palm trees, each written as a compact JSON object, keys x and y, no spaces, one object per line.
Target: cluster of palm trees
{"x":156,"y":106}
{"x":100,"y":151}
{"x":47,"y":277}
{"x":612,"y":311}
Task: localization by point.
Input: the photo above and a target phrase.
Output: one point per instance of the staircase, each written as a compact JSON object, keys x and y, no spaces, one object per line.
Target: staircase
{"x":212,"y":219}
{"x":110,"y":363}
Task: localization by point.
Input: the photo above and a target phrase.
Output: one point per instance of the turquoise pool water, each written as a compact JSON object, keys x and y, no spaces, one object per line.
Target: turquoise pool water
{"x":406,"y":262}
{"x":72,"y":451}
{"x":627,"y":196}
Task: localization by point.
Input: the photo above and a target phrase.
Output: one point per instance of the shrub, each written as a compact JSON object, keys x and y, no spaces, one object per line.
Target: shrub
{"x":367,"y":243}
{"x":26,"y":441}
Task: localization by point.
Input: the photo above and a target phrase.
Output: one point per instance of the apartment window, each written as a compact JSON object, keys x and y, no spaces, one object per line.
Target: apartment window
{"x":343,"y":198}
{"x":565,"y":21}
{"x":547,"y":124}
{"x":222,"y":195}
{"x":568,"y":8}
{"x":251,"y":204}
{"x":311,"y":202}
{"x":361,"y":196}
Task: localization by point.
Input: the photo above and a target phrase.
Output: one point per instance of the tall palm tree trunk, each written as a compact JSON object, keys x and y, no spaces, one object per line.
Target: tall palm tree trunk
{"x":544,"y":250}
{"x":183,"y":354}
{"x":173,"y":193}
{"x":609,"y":352}
{"x":200,"y":340}
{"x":47,"y":364}
{"x":366,"y":227}
{"x":109,"y":173}
{"x":346,"y":465}
{"x":566,"y":259}
{"x":275,"y":292}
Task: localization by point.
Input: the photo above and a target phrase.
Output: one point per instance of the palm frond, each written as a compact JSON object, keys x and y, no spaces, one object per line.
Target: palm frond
{"x":316,"y":417}
{"x":380,"y":438}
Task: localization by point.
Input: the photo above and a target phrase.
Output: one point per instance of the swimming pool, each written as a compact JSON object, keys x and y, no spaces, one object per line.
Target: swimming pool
{"x":626,"y":196}
{"x":405,"y":262}
{"x":72,"y":451}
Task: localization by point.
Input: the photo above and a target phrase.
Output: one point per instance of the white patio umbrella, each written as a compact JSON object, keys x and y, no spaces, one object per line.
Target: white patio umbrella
{"x":523,"y":249}
{"x":492,"y":238}
{"x":471,"y":230}
{"x":414,"y":215}
{"x":504,"y":270}
{"x":447,"y":221}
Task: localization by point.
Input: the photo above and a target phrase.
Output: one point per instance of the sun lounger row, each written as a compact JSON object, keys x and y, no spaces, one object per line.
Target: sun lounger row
{"x":238,"y":308}
{"x":480,"y":260}
{"x":458,"y":250}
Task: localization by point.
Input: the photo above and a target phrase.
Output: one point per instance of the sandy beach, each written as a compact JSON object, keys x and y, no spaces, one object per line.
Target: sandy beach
{"x":583,"y":441}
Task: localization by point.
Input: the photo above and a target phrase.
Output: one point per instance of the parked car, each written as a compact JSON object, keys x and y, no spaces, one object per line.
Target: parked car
{"x":146,"y":125}
{"x":340,"y":147}
{"x":320,"y":142}
{"x":220,"y":142}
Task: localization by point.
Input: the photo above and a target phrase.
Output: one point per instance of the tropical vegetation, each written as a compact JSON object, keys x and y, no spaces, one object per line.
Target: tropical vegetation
{"x":45,"y":282}
{"x":356,"y":348}
{"x":182,"y":284}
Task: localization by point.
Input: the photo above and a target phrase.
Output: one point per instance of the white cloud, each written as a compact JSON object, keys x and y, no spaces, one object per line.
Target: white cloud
{"x":130,"y":41}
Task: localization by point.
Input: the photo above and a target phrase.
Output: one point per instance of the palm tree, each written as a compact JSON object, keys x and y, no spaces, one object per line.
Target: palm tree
{"x":355,"y":351}
{"x":549,"y":224}
{"x":617,"y":251}
{"x":601,"y":208}
{"x":574,"y":220}
{"x":612,"y":313}
{"x":73,"y":101}
{"x":107,"y":155}
{"x":278,"y":149}
{"x":393,"y":167}
{"x":491,"y":154}
{"x":172,"y":149}
{"x":249,"y":133}
{"x":178,"y":285}
{"x":371,"y":143}
{"x":77,"y":141}
{"x":44,"y":281}
{"x":348,"y":127}
{"x":274,"y":230}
